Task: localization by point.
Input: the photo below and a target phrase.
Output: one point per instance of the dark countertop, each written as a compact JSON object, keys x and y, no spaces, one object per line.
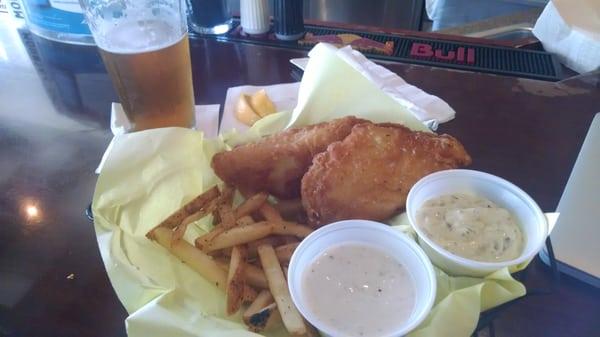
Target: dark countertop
{"x":54,"y":120}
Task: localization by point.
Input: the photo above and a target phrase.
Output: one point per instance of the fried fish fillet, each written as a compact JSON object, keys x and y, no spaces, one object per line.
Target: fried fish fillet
{"x":277,"y":163}
{"x":369,"y":173}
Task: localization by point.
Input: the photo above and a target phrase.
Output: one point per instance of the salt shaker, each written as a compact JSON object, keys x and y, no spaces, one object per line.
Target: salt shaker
{"x":254,"y":16}
{"x":288,"y":20}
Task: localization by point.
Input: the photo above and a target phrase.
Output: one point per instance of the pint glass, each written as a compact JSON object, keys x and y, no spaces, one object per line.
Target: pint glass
{"x":145,"y":48}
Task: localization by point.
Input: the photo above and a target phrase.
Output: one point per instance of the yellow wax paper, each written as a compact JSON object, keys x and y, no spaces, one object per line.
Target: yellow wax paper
{"x":150,"y":174}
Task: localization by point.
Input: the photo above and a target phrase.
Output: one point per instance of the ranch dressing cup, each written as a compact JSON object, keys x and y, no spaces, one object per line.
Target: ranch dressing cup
{"x":381,"y":237}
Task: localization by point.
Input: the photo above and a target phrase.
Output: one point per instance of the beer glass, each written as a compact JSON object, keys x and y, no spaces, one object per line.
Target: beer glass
{"x":145,"y":48}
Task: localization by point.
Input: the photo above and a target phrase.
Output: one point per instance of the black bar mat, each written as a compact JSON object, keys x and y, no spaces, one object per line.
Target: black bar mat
{"x":438,"y":53}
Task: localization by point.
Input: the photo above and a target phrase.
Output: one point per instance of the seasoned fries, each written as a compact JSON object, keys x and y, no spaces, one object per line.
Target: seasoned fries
{"x":273,"y":240}
{"x":293,"y":321}
{"x":262,"y":313}
{"x":219,"y":239}
{"x":284,"y":253}
{"x":235,"y":279}
{"x":198,"y":203}
{"x":250,"y":205}
{"x":263,"y":299}
{"x":270,"y":213}
{"x":290,"y":228}
{"x":188,"y":254}
{"x":264,"y":318}
{"x":254,"y":275}
{"x":230,"y":255}
{"x":235,"y":236}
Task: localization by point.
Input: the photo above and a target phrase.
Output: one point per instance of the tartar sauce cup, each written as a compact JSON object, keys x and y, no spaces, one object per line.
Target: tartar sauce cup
{"x":503,"y":193}
{"x":398,"y":245}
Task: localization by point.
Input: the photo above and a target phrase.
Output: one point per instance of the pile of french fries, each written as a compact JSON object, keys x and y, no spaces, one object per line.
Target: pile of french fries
{"x":245,"y":255}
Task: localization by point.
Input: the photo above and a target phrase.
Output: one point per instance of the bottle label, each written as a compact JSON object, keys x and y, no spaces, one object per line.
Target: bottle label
{"x":64,"y":16}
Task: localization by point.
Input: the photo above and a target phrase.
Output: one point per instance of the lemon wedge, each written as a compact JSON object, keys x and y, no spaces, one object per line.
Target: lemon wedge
{"x":261,"y":103}
{"x":251,"y":108}
{"x":244,"y":111}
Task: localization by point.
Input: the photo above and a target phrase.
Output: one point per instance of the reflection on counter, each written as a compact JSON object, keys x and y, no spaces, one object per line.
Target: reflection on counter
{"x":74,"y":78}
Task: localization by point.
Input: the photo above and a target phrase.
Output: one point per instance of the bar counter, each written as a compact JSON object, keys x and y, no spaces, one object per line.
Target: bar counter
{"x":54,"y":128}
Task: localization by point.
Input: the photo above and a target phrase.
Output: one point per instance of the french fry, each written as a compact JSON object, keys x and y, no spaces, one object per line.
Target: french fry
{"x":204,"y":241}
{"x":244,"y":221}
{"x":224,"y":207}
{"x":263,"y":299}
{"x":291,"y":228}
{"x":179,"y":232}
{"x":251,"y":204}
{"x":273,"y":240}
{"x":256,"y":277}
{"x":235,"y":279}
{"x":197,"y":216}
{"x":269,"y":212}
{"x":182,"y":227}
{"x":190,"y":208}
{"x":284,"y":253}
{"x":221,"y":253}
{"x":253,"y":274}
{"x":193,"y":257}
{"x":289,"y":239}
{"x":249,"y":294}
{"x":226,"y":197}
{"x":311,"y":331}
{"x":219,"y":239}
{"x":236,"y":236}
{"x":229,"y":221}
{"x":227,"y":193}
{"x":293,"y":321}
{"x":227,"y":216}
{"x":264,"y":318}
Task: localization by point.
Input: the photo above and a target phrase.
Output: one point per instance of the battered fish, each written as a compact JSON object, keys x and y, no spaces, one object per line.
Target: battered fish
{"x":277,"y":163}
{"x":369,"y":173}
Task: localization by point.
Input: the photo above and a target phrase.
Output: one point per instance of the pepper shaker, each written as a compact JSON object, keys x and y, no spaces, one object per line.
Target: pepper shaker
{"x":288,"y":19}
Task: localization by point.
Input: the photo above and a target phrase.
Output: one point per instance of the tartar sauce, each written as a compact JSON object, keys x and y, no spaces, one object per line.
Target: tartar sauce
{"x":472,"y":227}
{"x":358,"y":290}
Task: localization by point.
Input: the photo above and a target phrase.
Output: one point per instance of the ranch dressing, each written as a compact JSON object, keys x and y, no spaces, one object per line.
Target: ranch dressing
{"x":472,"y":227}
{"x":358,"y":290}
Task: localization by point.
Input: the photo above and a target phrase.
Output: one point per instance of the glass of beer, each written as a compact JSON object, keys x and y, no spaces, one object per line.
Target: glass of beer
{"x":145,"y":47}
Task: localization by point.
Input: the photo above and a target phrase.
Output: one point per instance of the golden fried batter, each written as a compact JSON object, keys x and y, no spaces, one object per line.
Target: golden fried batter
{"x":369,"y":173}
{"x":277,"y":162}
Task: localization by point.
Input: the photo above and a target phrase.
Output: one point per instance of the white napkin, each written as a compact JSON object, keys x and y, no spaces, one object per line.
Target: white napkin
{"x":427,"y":108}
{"x":571,"y":30}
{"x":207,"y":121}
{"x":423,"y":106}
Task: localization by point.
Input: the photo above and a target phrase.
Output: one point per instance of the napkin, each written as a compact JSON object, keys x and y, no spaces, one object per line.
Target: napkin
{"x":571,"y":30}
{"x":337,"y":89}
{"x":425,"y":107}
{"x":207,"y":121}
{"x":148,"y":175}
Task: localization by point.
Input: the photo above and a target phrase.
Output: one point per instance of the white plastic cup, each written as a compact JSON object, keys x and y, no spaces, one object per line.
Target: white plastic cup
{"x":254,"y":16}
{"x":528,"y":214}
{"x":375,"y":234}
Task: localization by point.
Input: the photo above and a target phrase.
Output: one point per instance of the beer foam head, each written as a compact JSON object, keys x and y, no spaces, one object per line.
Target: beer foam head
{"x":140,"y":36}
